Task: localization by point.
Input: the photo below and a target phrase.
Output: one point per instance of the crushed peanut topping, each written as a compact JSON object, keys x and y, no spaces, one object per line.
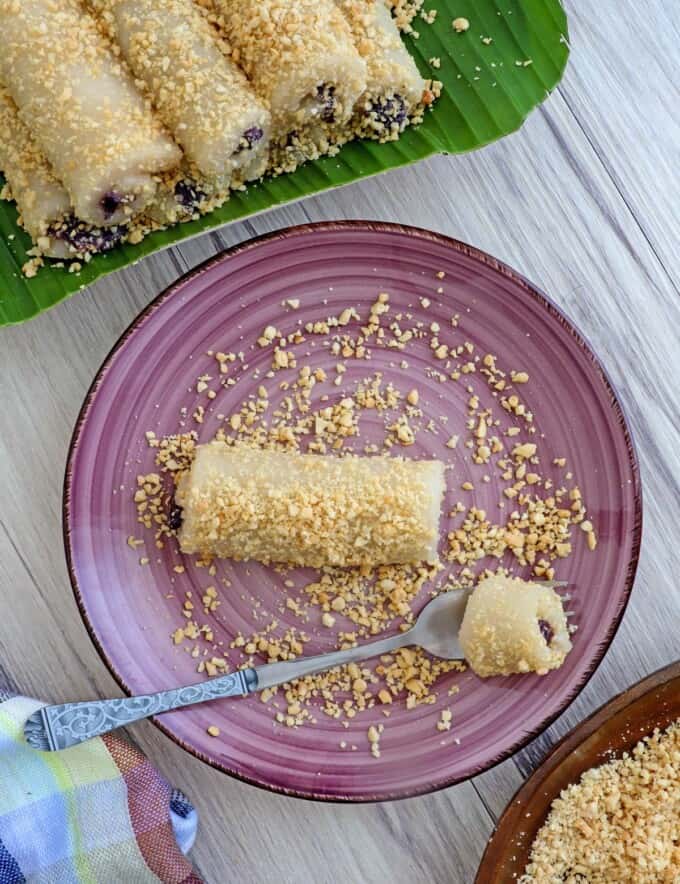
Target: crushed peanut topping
{"x":405,"y":11}
{"x":618,"y":823}
{"x":293,"y":408}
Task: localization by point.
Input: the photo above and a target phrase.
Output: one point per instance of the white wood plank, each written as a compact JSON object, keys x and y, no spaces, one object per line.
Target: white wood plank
{"x":622,"y":85}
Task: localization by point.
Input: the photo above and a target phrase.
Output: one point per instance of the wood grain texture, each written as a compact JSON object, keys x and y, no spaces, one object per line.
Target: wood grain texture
{"x":584,"y":201}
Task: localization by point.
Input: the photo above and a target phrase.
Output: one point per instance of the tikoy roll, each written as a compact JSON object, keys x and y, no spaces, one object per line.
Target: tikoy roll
{"x":306,"y":509}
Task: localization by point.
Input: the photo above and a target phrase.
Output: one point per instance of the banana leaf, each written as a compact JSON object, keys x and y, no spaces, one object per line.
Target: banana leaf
{"x":494,"y":73}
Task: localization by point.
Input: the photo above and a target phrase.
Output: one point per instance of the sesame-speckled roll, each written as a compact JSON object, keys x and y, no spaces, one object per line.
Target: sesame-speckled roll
{"x":203,"y":98}
{"x":44,"y":205}
{"x":513,"y":627}
{"x":299,"y":56}
{"x":394,"y":86}
{"x":101,"y":139}
{"x":307,"y":509}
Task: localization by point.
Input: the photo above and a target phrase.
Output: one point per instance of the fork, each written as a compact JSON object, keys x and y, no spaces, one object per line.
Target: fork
{"x":57,"y":727}
{"x":67,"y":724}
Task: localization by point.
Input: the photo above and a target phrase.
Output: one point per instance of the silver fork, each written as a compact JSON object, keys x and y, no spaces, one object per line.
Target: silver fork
{"x":67,"y":724}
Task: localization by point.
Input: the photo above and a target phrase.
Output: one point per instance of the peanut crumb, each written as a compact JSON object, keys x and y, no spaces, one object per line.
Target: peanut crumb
{"x":519,"y":377}
{"x":619,"y":822}
{"x":301,"y":412}
{"x":444,"y":723}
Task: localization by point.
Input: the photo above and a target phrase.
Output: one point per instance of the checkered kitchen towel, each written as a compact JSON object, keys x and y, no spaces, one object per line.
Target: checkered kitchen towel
{"x":97,"y":813}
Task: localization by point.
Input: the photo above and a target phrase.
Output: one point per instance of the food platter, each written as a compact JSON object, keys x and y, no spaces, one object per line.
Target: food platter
{"x":131,"y":610}
{"x":488,"y":90}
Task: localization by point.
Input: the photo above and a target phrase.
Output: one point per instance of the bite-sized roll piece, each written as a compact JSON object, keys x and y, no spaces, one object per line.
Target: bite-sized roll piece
{"x":394,"y":86}
{"x":44,"y":205}
{"x":306,"y":509}
{"x":511,"y":626}
{"x":203,"y":98}
{"x":100,"y":137}
{"x":299,"y":56}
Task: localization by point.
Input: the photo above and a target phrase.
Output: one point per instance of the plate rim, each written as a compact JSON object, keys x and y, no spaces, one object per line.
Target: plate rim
{"x":569,"y":743}
{"x":478,"y":255}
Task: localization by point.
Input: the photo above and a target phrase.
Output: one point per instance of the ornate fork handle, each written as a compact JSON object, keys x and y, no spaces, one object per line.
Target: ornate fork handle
{"x":67,"y":724}
{"x":58,"y":727}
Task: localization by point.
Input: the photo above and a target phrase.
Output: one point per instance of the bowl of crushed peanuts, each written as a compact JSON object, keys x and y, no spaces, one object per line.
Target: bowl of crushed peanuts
{"x":302,"y":354}
{"x":605,"y":803}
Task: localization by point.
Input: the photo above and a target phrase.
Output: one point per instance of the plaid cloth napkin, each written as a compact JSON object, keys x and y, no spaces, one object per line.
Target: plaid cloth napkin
{"x":98,"y":813}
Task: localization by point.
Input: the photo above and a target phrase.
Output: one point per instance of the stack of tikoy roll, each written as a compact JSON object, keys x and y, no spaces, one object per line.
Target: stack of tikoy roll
{"x":120,"y":116}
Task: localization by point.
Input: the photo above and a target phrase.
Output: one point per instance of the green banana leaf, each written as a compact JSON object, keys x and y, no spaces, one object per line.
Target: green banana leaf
{"x":490,"y":85}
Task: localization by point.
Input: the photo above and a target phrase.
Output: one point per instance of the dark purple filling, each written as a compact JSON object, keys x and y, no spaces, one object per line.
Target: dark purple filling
{"x":326,"y":96}
{"x":570,"y":875}
{"x":547,"y":631}
{"x":85,"y":239}
{"x":250,"y":138}
{"x":188,"y":194}
{"x":388,"y":112}
{"x":112,"y":200}
{"x":175,"y":518}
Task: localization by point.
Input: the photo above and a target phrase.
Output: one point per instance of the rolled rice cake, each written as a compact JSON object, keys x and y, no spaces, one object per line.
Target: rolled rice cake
{"x":511,"y":626}
{"x":306,"y":509}
{"x":202,"y":97}
{"x":100,"y":137}
{"x":299,"y":56}
{"x":44,"y":206}
{"x":394,"y":86}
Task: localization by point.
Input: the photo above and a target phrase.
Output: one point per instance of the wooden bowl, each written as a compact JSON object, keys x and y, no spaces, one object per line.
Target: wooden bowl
{"x":615,"y":728}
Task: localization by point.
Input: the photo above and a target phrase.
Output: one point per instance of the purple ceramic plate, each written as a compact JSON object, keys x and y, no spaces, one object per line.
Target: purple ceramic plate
{"x":131,"y":610}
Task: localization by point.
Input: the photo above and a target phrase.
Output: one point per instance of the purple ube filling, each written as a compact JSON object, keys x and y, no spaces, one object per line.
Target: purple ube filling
{"x":547,"y":631}
{"x":188,"y":194}
{"x":175,"y":518}
{"x":326,"y":97}
{"x":250,"y":138}
{"x":85,"y":239}
{"x":388,"y":112}
{"x":112,"y":201}
{"x":324,"y":104}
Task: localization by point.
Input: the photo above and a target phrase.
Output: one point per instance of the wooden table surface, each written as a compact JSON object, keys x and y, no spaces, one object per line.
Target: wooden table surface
{"x":585,"y":201}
